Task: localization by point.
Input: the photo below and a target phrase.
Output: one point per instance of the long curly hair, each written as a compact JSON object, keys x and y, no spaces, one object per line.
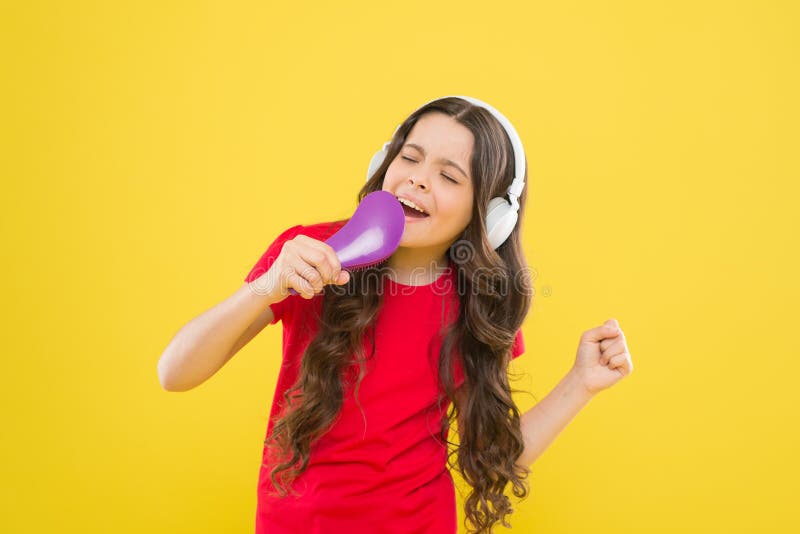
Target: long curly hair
{"x":492,"y":309}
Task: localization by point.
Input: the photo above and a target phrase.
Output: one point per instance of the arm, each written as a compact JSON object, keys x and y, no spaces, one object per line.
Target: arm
{"x":602,"y":360}
{"x":208,"y":341}
{"x":542,"y":423}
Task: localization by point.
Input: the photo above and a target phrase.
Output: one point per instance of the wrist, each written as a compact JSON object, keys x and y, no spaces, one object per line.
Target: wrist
{"x":266,"y":289}
{"x":574,"y":380}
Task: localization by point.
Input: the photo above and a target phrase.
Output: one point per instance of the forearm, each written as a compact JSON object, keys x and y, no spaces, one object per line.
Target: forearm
{"x":204,"y":344}
{"x":542,"y":423}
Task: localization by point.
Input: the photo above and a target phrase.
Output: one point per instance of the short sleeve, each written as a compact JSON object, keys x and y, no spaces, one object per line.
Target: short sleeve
{"x":519,"y":345}
{"x":265,"y":262}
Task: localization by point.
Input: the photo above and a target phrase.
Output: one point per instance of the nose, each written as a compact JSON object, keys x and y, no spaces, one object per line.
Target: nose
{"x":423,"y":183}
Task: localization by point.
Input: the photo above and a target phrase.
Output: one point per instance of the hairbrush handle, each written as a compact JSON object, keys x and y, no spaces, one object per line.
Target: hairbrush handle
{"x":371,"y":235}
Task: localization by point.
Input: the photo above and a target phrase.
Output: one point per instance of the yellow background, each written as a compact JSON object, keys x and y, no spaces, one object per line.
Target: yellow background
{"x":152,"y":150}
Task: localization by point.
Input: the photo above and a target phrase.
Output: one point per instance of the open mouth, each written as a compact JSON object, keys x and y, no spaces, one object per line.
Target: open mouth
{"x":414,"y":214}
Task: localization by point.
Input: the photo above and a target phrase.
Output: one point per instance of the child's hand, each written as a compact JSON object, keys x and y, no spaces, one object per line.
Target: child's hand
{"x":305,"y":264}
{"x":603,"y":357}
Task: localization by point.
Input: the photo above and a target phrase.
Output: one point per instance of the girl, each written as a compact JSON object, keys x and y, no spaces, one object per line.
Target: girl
{"x":377,"y":363}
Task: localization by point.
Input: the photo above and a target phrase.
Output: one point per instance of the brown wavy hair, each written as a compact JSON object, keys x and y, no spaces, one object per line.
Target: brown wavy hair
{"x":492,"y":309}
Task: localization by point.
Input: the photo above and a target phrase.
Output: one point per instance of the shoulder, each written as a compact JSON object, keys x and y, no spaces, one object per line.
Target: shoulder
{"x":321,"y":230}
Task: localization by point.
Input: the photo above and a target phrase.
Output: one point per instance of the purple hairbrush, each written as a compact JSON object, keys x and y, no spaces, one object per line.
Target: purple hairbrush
{"x":371,"y":235}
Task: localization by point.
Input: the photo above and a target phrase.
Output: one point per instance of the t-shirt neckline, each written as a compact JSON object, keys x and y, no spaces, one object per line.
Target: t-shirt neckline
{"x":447,"y":271}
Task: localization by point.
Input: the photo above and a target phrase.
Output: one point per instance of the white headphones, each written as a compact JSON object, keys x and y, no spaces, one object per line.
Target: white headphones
{"x":501,"y":214}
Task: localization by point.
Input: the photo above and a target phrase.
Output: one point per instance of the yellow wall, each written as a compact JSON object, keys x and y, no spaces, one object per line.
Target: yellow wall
{"x":152,"y":150}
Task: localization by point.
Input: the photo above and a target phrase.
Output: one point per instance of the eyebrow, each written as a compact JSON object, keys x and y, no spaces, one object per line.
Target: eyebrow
{"x":443,"y":160}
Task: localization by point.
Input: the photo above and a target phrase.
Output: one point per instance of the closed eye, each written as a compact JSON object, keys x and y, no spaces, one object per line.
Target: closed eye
{"x":443,"y":174}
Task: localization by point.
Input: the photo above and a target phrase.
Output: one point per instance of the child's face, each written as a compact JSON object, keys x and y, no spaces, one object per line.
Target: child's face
{"x":440,"y":188}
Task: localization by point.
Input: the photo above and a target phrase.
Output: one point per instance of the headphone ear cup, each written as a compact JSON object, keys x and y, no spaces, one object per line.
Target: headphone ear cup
{"x":501,"y":217}
{"x":377,"y":160}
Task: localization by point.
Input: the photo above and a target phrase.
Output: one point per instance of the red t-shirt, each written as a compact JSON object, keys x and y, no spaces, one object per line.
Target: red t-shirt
{"x":386,"y":470}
